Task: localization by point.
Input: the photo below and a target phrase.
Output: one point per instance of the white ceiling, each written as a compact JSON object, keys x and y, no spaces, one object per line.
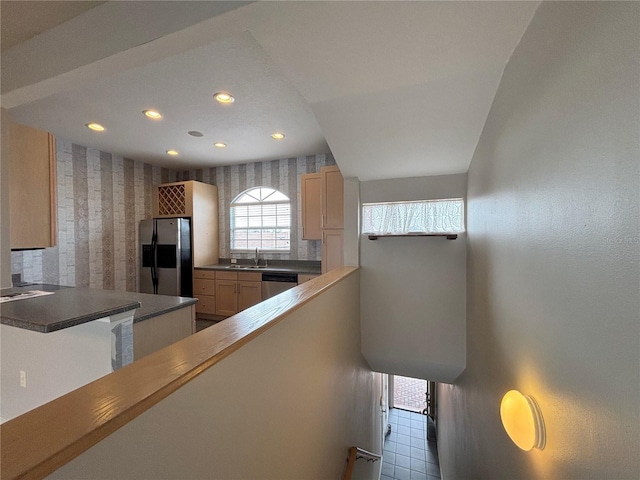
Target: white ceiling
{"x":393,"y":89}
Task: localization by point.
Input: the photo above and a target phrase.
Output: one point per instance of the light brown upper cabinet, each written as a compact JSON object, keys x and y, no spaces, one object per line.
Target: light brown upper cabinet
{"x":32,"y":188}
{"x":200,"y":202}
{"x":332,"y":198}
{"x":323,"y":213}
{"x":311,"y":186}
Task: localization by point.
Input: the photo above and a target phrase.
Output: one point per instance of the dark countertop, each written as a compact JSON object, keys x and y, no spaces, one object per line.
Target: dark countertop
{"x":70,"y":306}
{"x":154,"y":305}
{"x":286,"y":266}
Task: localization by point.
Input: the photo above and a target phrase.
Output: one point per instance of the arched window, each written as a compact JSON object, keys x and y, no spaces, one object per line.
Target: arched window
{"x":261,"y":218}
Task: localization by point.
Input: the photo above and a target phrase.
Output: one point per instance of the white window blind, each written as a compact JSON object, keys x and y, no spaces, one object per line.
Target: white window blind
{"x":411,"y":218}
{"x":261,"y":218}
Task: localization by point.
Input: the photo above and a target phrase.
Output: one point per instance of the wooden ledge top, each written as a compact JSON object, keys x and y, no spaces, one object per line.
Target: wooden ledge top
{"x":42,"y":440}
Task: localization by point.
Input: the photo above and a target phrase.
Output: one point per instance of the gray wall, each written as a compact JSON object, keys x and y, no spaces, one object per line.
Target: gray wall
{"x":413,"y":289}
{"x":553,"y":259}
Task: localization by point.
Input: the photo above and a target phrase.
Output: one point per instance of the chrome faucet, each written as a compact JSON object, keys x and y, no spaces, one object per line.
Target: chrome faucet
{"x":257,"y":259}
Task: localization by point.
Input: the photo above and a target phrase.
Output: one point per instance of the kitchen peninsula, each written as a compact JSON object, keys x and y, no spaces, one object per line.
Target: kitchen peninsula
{"x":58,"y":342}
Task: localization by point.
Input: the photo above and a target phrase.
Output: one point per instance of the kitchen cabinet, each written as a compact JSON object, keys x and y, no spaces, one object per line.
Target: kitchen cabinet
{"x":323,"y":213}
{"x":249,"y":292}
{"x":332,"y":249}
{"x":32,"y":188}
{"x":198,"y":201}
{"x":311,"y":196}
{"x":332,"y":198}
{"x":204,"y":289}
{"x":237,"y":291}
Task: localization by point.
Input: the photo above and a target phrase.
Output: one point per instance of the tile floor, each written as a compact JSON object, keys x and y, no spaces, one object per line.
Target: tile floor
{"x":407,"y":455}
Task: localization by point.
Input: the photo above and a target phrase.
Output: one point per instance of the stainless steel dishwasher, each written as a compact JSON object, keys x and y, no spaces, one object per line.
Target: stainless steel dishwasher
{"x":274,"y":283}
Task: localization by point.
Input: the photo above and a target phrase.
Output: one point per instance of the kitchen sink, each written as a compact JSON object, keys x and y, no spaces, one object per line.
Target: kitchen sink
{"x":246,"y":267}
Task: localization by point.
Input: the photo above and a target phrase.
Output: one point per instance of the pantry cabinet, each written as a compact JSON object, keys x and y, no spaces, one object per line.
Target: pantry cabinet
{"x":322,"y":206}
{"x":32,"y":188}
{"x":196,"y":200}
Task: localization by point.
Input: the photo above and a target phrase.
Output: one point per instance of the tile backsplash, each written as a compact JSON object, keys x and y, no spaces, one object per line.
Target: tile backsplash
{"x":102,"y":198}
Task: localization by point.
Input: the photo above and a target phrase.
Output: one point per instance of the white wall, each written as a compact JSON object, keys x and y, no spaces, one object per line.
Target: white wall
{"x":413,"y":289}
{"x":285,"y":406}
{"x":5,"y":246}
{"x":553,"y":259}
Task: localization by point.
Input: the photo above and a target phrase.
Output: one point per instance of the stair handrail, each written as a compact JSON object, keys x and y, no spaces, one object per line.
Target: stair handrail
{"x":356,"y":453}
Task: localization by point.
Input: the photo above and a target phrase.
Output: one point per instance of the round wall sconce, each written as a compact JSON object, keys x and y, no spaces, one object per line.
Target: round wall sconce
{"x":522,"y":419}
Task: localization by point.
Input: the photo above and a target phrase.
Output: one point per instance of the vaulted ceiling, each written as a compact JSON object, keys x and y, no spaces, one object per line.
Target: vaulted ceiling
{"x":392,"y":89}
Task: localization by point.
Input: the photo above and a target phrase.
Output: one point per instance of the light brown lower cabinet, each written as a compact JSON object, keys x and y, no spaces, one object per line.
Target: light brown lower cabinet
{"x":226,"y":297}
{"x":236,"y":291}
{"x":332,"y":249}
{"x":249,"y":293}
{"x":204,"y":289}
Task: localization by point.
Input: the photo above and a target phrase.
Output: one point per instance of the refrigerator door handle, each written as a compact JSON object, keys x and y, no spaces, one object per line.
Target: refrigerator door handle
{"x":154,"y":255}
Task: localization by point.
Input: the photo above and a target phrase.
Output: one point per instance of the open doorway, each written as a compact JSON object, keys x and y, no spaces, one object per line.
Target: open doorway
{"x":408,"y":393}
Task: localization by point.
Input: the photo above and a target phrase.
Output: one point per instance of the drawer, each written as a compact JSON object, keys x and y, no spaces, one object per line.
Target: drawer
{"x":206,"y":304}
{"x":203,"y":286}
{"x":250,"y":276}
{"x":204,"y":274}
{"x":226,"y":275}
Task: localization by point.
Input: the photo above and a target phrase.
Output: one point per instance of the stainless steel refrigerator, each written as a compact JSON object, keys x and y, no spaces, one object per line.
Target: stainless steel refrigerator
{"x":165,"y":267}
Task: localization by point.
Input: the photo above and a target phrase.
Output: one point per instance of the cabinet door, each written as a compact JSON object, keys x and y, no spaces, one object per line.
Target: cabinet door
{"x":32,"y":190}
{"x":226,"y":297}
{"x":333,"y":198}
{"x":249,"y":293}
{"x":311,"y":186}
{"x":332,"y":250}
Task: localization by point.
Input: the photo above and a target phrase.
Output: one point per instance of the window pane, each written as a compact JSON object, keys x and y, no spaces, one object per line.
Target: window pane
{"x":428,"y":216}
{"x":258,"y":222}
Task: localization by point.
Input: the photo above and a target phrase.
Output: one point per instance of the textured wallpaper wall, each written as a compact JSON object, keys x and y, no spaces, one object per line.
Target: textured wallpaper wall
{"x":103,"y":197}
{"x":283,"y":175}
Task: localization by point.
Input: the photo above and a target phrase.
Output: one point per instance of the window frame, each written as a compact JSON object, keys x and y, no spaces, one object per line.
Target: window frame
{"x":460,"y":205}
{"x":265,"y":202}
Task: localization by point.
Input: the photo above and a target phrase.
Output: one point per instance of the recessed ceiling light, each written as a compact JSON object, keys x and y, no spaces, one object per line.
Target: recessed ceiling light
{"x":223,"y":97}
{"x":152,"y":114}
{"x":277,"y":136}
{"x":172,"y":152}
{"x":195,"y":133}
{"x":96,"y":127}
{"x":220,"y":145}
